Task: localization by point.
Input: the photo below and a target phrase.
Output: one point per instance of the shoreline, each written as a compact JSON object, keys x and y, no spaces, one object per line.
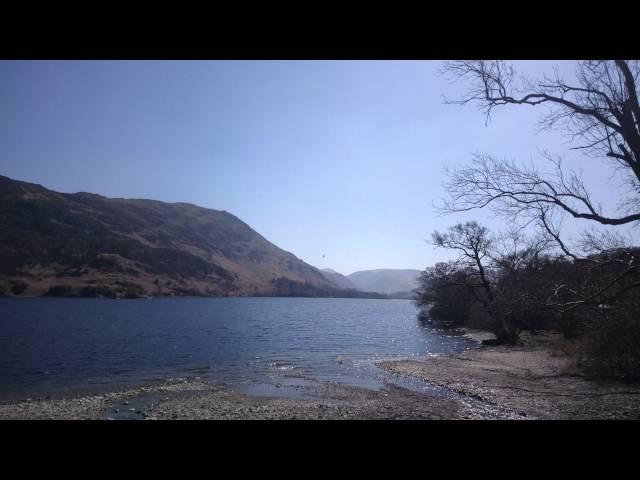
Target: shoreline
{"x":160,"y":297}
{"x":535,"y":380}
{"x":196,"y":400}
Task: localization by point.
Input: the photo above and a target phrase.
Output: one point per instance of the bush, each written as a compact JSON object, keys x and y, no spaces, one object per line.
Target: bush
{"x":443,"y":297}
{"x":479,"y":318}
{"x":98,"y":291}
{"x":132,"y":290}
{"x":59,"y":291}
{"x":609,"y":347}
{"x":18,"y":287}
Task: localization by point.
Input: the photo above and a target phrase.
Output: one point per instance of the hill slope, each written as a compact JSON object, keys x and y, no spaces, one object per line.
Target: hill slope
{"x":86,"y":244}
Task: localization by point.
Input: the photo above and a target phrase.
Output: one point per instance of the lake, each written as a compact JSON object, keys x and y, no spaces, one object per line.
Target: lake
{"x":52,"y":346}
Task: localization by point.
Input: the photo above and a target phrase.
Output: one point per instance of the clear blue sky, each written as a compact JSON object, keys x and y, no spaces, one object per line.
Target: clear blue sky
{"x":338,"y":158}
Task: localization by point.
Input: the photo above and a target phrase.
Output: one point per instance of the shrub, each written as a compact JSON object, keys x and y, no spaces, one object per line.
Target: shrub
{"x":479,"y":318}
{"x":443,"y":297}
{"x":18,"y":287}
{"x":609,"y":347}
{"x":132,"y":290}
{"x":98,"y":291}
{"x":59,"y":291}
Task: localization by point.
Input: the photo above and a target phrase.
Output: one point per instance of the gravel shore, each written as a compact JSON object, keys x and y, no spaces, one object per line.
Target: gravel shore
{"x":202,"y":401}
{"x":536,"y":380}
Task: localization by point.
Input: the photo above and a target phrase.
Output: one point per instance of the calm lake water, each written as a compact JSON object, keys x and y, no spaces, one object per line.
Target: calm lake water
{"x":50,"y":345}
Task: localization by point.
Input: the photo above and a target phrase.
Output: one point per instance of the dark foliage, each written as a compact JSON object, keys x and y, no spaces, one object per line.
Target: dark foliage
{"x":595,"y":300}
{"x":18,"y":287}
{"x":444,"y":297}
{"x":609,"y":345}
{"x":283,"y":287}
{"x":60,"y":291}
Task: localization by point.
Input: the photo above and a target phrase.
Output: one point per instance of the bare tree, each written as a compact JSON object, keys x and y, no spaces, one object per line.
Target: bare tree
{"x":594,"y":278}
{"x":600,"y":114}
{"x":601,"y":117}
{"x":474,"y":243}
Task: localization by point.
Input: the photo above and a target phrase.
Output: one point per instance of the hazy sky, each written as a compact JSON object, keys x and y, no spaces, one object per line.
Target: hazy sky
{"x":338,"y":158}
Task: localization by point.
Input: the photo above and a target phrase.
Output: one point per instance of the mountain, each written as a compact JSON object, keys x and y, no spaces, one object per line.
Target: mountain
{"x":388,"y":281}
{"x":338,"y":279}
{"x":65,"y":244}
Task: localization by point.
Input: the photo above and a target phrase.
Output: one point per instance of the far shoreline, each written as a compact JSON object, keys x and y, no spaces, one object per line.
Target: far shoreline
{"x":194,"y":296}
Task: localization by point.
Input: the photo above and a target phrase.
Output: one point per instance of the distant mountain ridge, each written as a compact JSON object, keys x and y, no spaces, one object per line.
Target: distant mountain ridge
{"x":386,"y":281}
{"x":67,"y":244}
{"x":394,"y":283}
{"x":337,"y":278}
